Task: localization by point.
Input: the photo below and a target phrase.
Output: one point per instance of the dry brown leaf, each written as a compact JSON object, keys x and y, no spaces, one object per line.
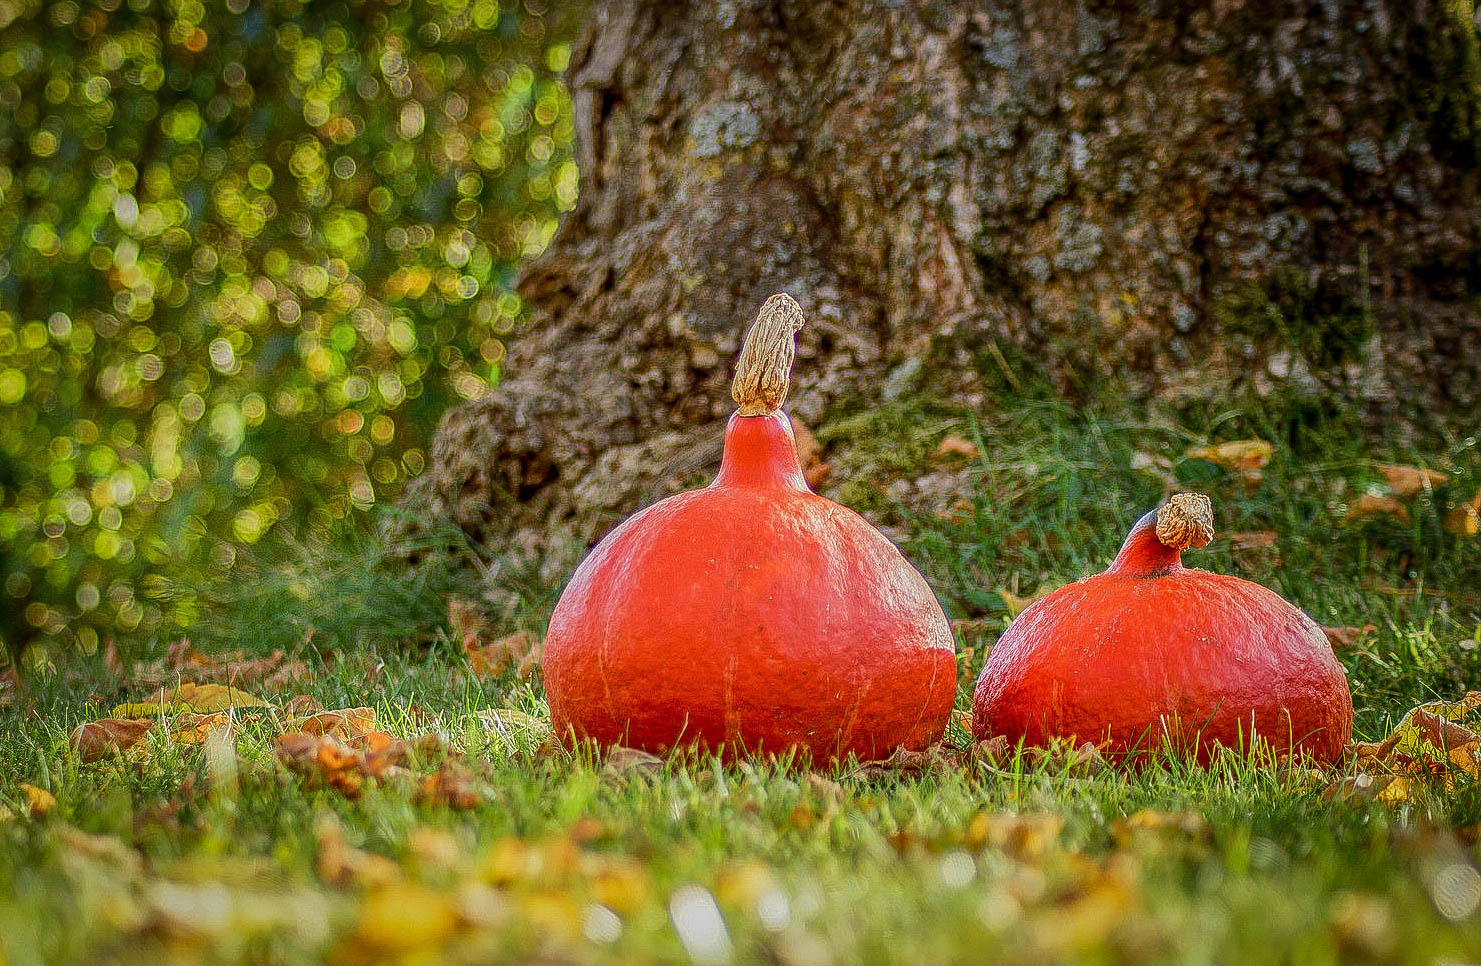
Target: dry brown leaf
{"x":957,"y":446}
{"x":1369,"y":506}
{"x":108,"y":736}
{"x":38,"y":801}
{"x":1465,"y":519}
{"x":993,"y":751}
{"x":621,"y":760}
{"x":1410,"y":481}
{"x":1344,"y":638}
{"x":342,"y":723}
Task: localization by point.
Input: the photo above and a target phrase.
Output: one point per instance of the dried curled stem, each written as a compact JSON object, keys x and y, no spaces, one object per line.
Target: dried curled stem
{"x":1186,"y":520}
{"x":764,"y":371}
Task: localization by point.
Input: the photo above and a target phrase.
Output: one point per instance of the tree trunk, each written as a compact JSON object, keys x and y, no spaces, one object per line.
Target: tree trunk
{"x":1182,"y":200}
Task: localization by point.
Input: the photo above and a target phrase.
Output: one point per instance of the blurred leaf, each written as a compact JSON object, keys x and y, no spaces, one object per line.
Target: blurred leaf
{"x":1370,"y":506}
{"x":1410,"y":481}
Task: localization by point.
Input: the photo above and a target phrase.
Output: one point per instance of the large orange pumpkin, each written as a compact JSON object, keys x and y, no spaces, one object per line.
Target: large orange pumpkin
{"x":1152,"y":652}
{"x":753,"y":614}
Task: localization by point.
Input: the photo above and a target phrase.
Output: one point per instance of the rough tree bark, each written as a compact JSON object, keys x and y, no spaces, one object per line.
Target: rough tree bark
{"x":1185,"y":199}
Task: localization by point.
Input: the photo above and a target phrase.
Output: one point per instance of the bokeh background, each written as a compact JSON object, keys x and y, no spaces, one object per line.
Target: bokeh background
{"x":248,"y":255}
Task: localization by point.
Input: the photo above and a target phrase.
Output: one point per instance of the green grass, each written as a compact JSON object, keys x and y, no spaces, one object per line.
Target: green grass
{"x":210,"y":853}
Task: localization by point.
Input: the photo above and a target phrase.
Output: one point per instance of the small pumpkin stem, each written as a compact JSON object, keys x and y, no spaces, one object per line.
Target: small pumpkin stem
{"x":1186,"y":520}
{"x":764,"y":372}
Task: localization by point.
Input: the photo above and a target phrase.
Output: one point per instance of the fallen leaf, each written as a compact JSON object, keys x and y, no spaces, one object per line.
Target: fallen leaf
{"x":1153,"y":821}
{"x":197,"y":698}
{"x":1344,"y":638}
{"x":1252,"y":540}
{"x":514,"y":730}
{"x":38,"y":801}
{"x":1465,"y":519}
{"x":344,"y":723}
{"x":301,"y":706}
{"x":1247,"y":458}
{"x":810,"y":455}
{"x":992,"y":751}
{"x":402,"y":917}
{"x":341,"y":864}
{"x":956,"y":446}
{"x":621,"y":760}
{"x":1025,"y":837}
{"x":187,"y":728}
{"x":451,"y":785}
{"x":1369,"y":506}
{"x":1239,"y":456}
{"x":1410,"y":481}
{"x":108,"y":736}
{"x":521,"y":648}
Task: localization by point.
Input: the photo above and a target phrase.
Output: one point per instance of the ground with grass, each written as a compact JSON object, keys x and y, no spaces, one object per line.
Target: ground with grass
{"x":441,"y":824}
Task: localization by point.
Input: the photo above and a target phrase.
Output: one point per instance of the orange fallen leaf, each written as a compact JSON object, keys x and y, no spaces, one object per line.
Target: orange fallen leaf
{"x":1410,"y":481}
{"x":1369,"y":506}
{"x":1342,"y":638}
{"x":108,"y":736}
{"x":957,"y":446}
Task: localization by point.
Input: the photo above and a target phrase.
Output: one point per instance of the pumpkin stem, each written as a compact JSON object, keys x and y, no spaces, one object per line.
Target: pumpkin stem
{"x":764,"y":372}
{"x":1186,"y":520}
{"x":1155,"y":545}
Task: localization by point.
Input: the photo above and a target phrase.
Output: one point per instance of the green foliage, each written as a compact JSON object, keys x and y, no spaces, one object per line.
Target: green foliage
{"x":250,"y":251}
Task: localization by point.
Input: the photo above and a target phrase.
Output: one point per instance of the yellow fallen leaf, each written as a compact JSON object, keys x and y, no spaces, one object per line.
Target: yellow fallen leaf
{"x":1239,"y":456}
{"x":1395,"y":792}
{"x":196,"y":698}
{"x":1410,"y":481}
{"x":514,"y":730}
{"x":1465,"y":519}
{"x":403,"y":917}
{"x":38,"y":801}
